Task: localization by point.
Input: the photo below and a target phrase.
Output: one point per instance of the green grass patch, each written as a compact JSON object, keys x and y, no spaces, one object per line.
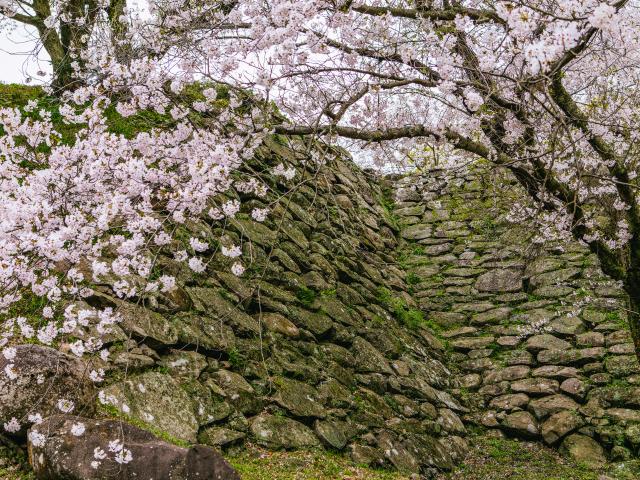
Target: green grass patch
{"x":306,"y":296}
{"x":410,"y":317}
{"x":259,"y":464}
{"x":499,"y":459}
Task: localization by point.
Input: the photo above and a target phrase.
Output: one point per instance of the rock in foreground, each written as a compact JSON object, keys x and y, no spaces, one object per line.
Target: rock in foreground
{"x":116,"y":450}
{"x":42,"y":377}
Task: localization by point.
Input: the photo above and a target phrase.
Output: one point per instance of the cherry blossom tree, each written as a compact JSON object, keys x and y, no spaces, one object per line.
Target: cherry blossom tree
{"x":66,"y":28}
{"x":546,"y":89}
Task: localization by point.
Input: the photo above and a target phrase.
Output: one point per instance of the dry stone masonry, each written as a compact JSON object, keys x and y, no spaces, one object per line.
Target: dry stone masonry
{"x":536,"y":333}
{"x":319,"y":345}
{"x":379,"y":316}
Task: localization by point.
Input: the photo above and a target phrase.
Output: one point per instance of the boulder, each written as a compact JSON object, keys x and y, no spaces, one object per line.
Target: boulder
{"x":554,"y":277}
{"x":560,"y":424}
{"x":515,"y":372}
{"x":536,"y":386}
{"x":333,"y":433}
{"x":546,"y":341}
{"x":278,"y":432}
{"x":279,"y":324}
{"x":220,"y":436}
{"x":521,"y":424}
{"x":57,"y":452}
{"x":368,"y":359}
{"x":300,"y":399}
{"x":155,"y":399}
{"x":509,"y":401}
{"x":238,"y":391}
{"x":542,"y":407}
{"x":416,"y":232}
{"x":44,"y":376}
{"x":584,"y":450}
{"x":500,"y":281}
{"x":471,"y":343}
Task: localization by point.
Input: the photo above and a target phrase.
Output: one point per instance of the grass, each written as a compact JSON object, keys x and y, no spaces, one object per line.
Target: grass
{"x":410,"y":317}
{"x":306,"y":296}
{"x":13,"y":465}
{"x":258,"y":464}
{"x":506,"y":459}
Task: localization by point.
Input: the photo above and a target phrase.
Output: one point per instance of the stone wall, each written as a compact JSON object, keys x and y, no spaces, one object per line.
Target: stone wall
{"x":536,"y":334}
{"x":318,"y":345}
{"x":380,"y":317}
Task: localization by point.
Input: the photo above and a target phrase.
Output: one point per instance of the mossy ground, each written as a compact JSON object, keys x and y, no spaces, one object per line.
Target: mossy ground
{"x":506,"y":459}
{"x":259,"y":464}
{"x":488,"y":459}
{"x":13,"y":465}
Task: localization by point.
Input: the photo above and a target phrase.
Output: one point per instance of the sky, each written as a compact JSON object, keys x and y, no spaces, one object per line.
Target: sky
{"x":16,"y":56}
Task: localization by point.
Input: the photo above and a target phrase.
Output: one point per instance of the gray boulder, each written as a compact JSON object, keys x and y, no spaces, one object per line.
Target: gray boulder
{"x":44,"y":376}
{"x":61,"y":455}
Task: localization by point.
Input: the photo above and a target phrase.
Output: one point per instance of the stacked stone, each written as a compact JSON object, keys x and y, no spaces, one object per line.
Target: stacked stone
{"x":300,"y":352}
{"x":537,"y":334}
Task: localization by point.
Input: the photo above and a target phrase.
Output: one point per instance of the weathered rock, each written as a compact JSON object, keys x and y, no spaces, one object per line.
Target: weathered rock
{"x":584,"y":450}
{"x":623,"y":415}
{"x":220,"y":436}
{"x":238,"y":391}
{"x":536,"y":386}
{"x":416,"y":232}
{"x":553,"y":277}
{"x":365,"y":455}
{"x":184,"y":363}
{"x":521,"y":424}
{"x":450,"y":422}
{"x":66,"y":456}
{"x":571,"y":356}
{"x":622,"y":365}
{"x":560,"y":424}
{"x":470,"y":343}
{"x":147,"y":324}
{"x":555,"y":371}
{"x":155,"y":399}
{"x":590,"y":339}
{"x":515,"y":372}
{"x":281,"y":432}
{"x":279,"y":324}
{"x":545,"y":406}
{"x":509,"y":402}
{"x":333,"y":433}
{"x":546,"y":341}
{"x":491,"y":316}
{"x":574,"y":387}
{"x":500,"y":281}
{"x":567,"y":326}
{"x":368,"y":359}
{"x":300,"y":399}
{"x":44,"y":376}
{"x":397,"y":453}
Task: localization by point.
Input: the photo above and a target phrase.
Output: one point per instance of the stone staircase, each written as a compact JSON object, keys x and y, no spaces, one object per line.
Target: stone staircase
{"x":536,"y":333}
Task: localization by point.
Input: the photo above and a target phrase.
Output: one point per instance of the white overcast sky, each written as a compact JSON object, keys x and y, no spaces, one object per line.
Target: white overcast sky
{"x":17,"y":44}
{"x":16,"y":56}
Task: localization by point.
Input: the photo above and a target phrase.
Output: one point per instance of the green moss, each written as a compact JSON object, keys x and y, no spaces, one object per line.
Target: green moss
{"x":259,"y":464}
{"x":237,"y":359}
{"x":410,"y":317}
{"x":113,"y":412}
{"x":306,"y":296}
{"x":494,"y":458}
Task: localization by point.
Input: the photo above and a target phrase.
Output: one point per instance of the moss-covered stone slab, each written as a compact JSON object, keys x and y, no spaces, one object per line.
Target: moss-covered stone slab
{"x":278,"y":432}
{"x":300,"y":399}
{"x":155,"y":399}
